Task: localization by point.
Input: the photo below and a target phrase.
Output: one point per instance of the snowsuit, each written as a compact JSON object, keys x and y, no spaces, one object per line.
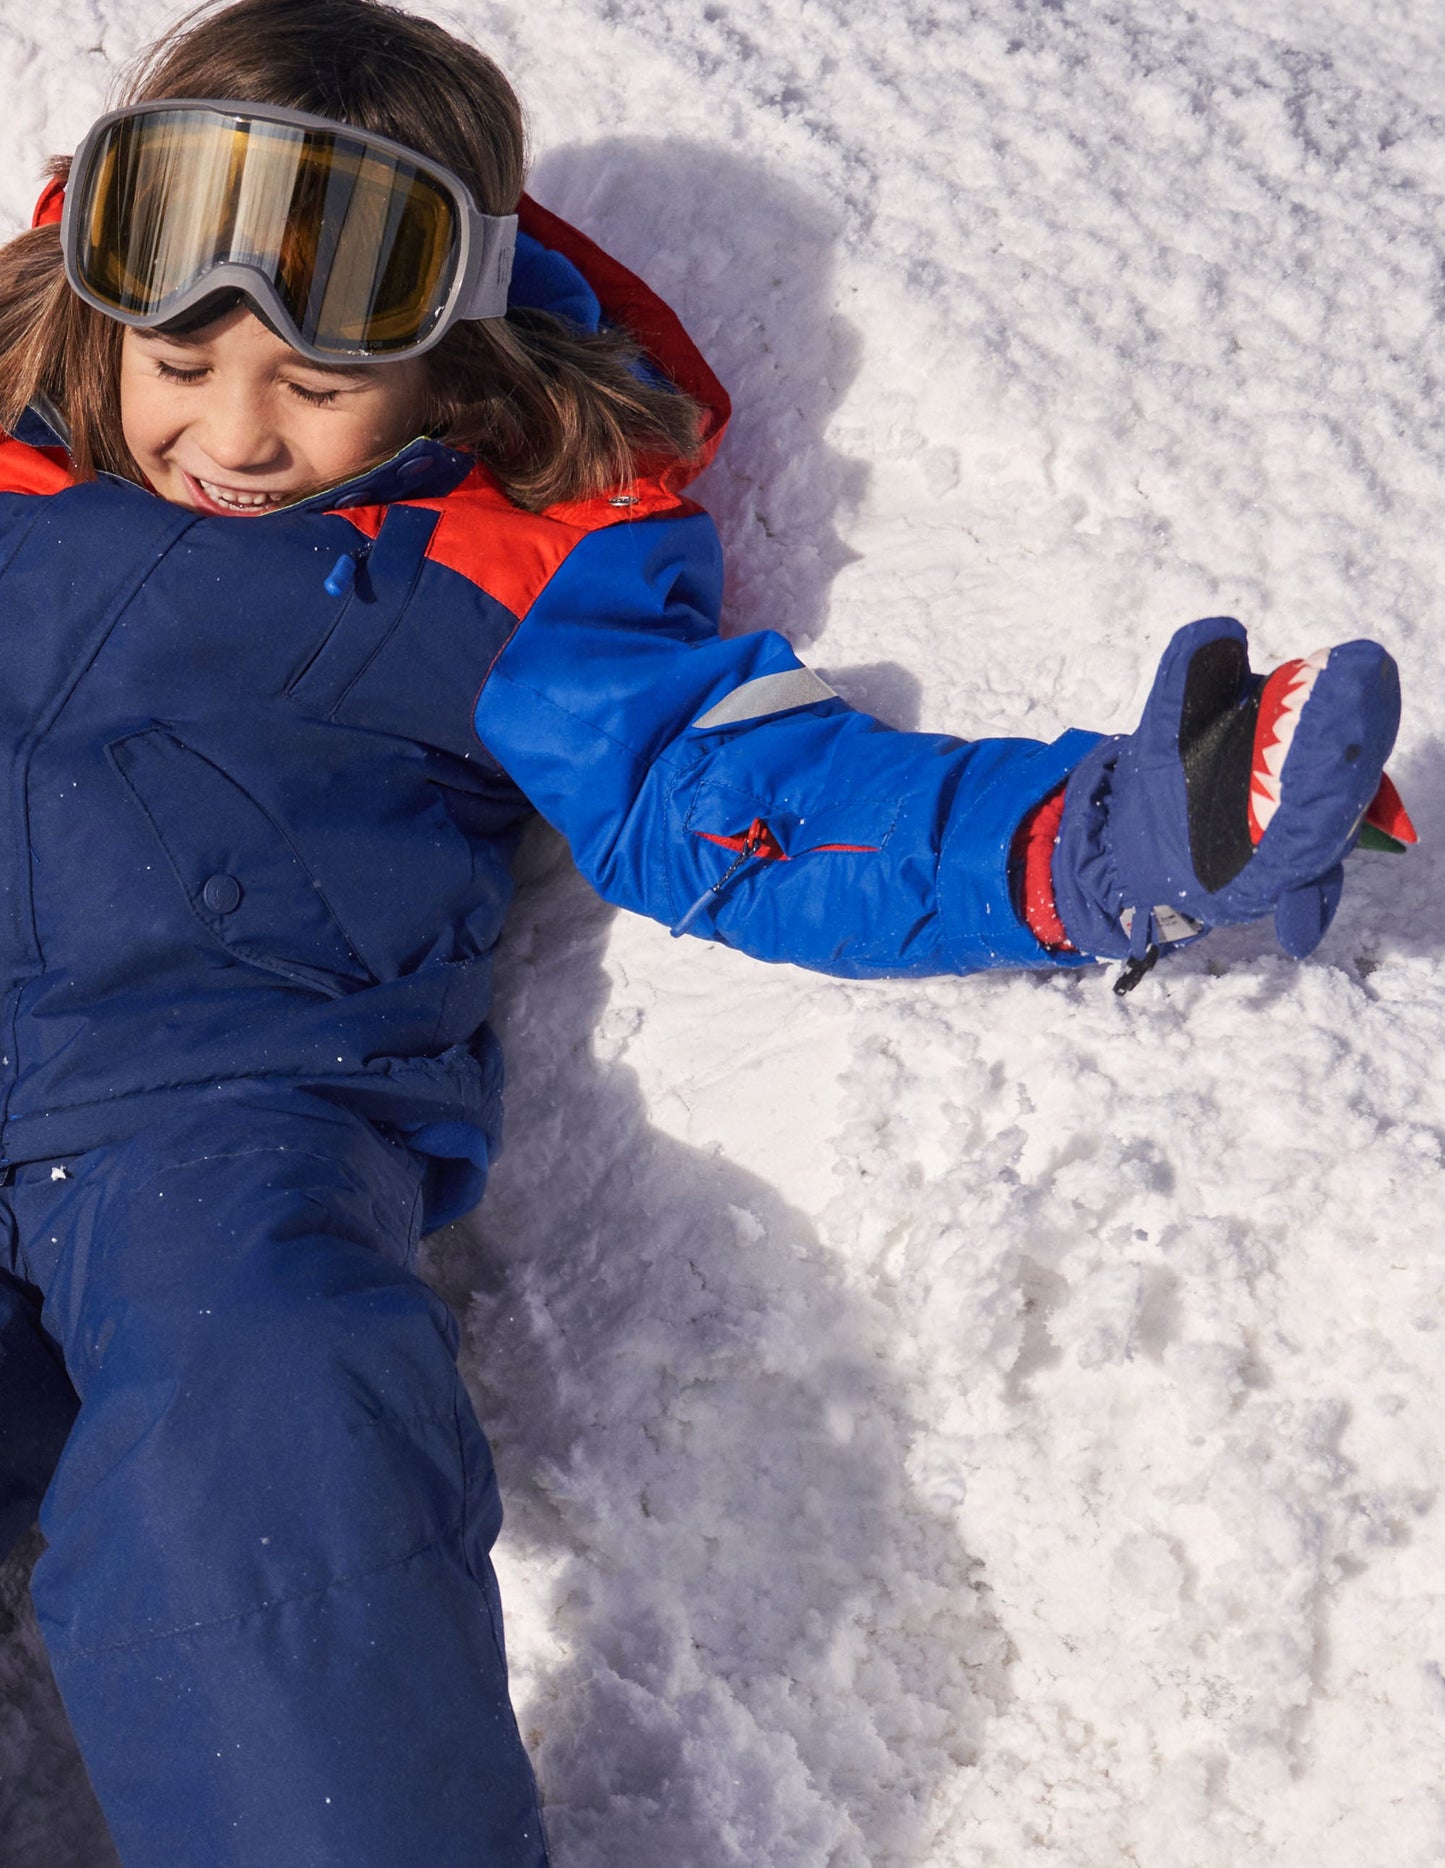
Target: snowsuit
{"x":263,"y":781}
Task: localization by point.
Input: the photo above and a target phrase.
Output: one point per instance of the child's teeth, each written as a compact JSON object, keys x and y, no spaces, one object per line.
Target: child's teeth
{"x":248,"y":500}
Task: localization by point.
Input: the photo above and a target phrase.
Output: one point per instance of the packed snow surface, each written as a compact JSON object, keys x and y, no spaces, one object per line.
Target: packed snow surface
{"x":982,"y":1421}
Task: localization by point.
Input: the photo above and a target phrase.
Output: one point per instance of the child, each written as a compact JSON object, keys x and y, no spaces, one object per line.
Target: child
{"x":325,"y":560}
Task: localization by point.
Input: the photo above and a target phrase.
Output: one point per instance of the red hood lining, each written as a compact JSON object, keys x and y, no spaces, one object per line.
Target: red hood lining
{"x":626,"y":301}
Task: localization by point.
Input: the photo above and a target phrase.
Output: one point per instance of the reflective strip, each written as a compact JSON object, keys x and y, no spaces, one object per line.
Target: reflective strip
{"x":794,"y":687}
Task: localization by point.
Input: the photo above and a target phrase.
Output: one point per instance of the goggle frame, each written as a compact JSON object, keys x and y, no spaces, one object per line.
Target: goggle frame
{"x":485,"y":242}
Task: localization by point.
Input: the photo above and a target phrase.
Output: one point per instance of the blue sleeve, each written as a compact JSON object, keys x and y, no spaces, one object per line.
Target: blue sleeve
{"x":722,"y":785}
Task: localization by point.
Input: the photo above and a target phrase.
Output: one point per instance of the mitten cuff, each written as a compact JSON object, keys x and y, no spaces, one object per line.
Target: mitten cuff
{"x":978,"y":895}
{"x":1087,"y":897}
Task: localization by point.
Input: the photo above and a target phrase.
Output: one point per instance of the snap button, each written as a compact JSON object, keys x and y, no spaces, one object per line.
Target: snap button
{"x":221,"y":894}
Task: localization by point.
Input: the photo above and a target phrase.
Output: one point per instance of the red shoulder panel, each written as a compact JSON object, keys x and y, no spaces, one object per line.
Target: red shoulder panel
{"x":510,"y":560}
{"x":501,"y":548}
{"x":25,"y":469}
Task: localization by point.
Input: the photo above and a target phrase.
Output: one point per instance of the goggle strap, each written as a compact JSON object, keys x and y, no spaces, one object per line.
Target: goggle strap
{"x":492,"y":244}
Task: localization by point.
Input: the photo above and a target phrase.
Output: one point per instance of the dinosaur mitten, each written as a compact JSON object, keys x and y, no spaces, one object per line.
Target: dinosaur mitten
{"x":1237,"y":797}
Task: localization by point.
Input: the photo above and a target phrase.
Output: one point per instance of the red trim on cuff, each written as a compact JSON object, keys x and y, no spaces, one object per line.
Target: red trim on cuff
{"x":1033,"y":851}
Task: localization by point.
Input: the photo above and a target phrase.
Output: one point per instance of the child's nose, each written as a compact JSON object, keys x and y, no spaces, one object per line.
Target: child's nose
{"x":239,"y":431}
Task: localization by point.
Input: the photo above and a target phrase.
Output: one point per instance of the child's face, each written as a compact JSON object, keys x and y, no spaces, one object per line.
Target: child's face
{"x":230,"y":419}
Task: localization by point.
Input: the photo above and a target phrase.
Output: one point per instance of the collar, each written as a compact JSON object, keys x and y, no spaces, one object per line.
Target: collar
{"x":424,"y":469}
{"x":42,"y":426}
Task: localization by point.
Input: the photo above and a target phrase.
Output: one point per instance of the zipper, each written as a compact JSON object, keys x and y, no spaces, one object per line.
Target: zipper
{"x":756,"y":845}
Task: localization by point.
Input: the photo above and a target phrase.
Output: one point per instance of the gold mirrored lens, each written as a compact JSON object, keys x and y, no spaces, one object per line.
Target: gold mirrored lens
{"x":360,"y":246}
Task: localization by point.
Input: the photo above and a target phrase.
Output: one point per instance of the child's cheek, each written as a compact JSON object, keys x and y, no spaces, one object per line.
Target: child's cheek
{"x":145,"y":416}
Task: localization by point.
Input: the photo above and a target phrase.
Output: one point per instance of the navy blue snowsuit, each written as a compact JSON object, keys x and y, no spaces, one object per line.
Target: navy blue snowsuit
{"x":263,"y":780}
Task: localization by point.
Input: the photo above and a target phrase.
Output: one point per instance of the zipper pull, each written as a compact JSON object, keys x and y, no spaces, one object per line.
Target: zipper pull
{"x":1143,"y":950}
{"x":343,"y":574}
{"x":1133,"y":971}
{"x":757,"y":838}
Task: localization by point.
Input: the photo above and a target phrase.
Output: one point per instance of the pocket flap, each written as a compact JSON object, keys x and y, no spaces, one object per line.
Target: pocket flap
{"x":242,"y":878}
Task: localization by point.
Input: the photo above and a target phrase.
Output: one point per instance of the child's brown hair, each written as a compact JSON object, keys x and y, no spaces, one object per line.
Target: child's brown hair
{"x":555,"y":413}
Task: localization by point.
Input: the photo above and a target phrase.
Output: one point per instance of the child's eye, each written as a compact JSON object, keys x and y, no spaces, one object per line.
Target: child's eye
{"x":318,"y":398}
{"x":174,"y":373}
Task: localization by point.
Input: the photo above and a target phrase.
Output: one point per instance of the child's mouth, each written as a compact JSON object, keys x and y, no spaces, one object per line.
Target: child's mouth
{"x":212,"y":498}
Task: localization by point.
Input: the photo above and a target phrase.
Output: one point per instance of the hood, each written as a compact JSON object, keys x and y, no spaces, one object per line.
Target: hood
{"x":625,"y":301}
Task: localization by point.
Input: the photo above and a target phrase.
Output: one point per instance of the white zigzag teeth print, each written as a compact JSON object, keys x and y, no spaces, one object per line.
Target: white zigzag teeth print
{"x":1267,"y":773}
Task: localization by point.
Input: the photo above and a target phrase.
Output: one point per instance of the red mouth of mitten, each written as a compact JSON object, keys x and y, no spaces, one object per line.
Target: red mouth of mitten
{"x":1281,"y":703}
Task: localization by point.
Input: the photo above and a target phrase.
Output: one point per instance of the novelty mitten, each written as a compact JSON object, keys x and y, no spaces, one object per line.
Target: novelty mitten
{"x":1237,"y":797}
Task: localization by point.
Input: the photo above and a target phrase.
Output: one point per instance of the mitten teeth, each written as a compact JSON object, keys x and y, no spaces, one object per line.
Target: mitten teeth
{"x":1281,"y":704}
{"x":1271,"y":758}
{"x":1263,"y":803}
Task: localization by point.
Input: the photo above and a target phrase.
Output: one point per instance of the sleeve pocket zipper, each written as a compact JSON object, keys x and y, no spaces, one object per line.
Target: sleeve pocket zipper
{"x":757,"y":844}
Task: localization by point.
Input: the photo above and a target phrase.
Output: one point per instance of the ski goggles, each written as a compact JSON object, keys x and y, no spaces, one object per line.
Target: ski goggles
{"x":350,"y":245}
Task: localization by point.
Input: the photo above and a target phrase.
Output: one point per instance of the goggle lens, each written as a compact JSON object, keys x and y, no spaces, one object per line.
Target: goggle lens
{"x":359,"y":245}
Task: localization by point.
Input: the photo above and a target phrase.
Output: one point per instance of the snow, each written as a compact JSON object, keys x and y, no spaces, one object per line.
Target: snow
{"x":973,"y":1421}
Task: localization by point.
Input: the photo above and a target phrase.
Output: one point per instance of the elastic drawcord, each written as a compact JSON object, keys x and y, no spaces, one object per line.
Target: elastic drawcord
{"x":1143,"y":952}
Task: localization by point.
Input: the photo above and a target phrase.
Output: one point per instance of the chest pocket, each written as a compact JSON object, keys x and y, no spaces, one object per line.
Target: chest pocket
{"x":241,"y":877}
{"x":386,"y":577}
